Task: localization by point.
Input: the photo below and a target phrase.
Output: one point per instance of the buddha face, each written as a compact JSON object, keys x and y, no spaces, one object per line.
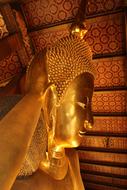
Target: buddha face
{"x":74,"y":112}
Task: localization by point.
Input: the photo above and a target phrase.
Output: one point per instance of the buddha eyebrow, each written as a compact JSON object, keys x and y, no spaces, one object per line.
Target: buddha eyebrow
{"x":81,"y":105}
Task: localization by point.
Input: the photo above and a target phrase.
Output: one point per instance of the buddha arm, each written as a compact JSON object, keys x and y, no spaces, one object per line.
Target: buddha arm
{"x":16,"y":130}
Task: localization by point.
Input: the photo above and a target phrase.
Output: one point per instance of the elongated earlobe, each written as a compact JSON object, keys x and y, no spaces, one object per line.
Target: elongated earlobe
{"x":49,"y":101}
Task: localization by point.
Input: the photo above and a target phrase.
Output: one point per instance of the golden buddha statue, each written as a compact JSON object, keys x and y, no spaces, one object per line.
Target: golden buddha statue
{"x":63,"y":77}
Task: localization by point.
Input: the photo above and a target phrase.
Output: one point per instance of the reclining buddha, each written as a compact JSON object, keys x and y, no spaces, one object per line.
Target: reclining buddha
{"x":50,"y":119}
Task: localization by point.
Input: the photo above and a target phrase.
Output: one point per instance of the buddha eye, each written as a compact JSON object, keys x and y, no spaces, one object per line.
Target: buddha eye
{"x":87,"y":125}
{"x":82,"y":105}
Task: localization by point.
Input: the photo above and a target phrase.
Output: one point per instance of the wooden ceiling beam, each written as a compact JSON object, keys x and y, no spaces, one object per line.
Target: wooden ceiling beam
{"x":103,"y":174}
{"x":104,"y":134}
{"x":81,"y":14}
{"x":110,"y":114}
{"x":110,"y":88}
{"x":104,"y":179}
{"x":104,"y":163}
{"x":96,"y":149}
{"x":101,"y":185}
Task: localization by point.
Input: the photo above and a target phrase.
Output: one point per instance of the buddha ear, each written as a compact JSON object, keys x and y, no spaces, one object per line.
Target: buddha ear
{"x":49,"y":104}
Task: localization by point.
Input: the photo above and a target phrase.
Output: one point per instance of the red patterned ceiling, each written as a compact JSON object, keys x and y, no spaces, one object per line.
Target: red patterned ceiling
{"x":46,"y":12}
{"x":110,"y":72}
{"x":101,"y":6}
{"x":109,"y":125}
{"x":112,"y":101}
{"x":9,"y":67}
{"x":105,"y":34}
{"x":43,"y":12}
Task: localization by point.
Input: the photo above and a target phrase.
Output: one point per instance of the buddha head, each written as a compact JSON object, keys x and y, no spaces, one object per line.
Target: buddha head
{"x":66,"y":112}
{"x":71,"y":71}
